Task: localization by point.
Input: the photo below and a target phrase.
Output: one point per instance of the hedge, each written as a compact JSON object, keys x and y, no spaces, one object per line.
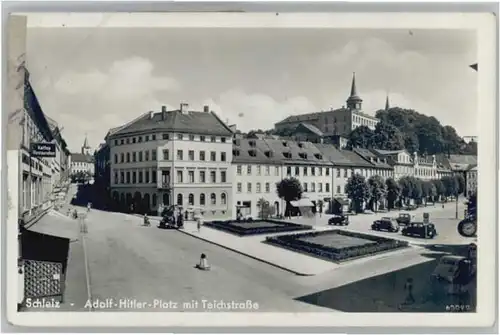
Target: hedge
{"x":228,"y":225}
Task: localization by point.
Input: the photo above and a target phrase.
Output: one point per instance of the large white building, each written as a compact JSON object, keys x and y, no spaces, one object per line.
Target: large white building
{"x":178,"y":157}
{"x":83,"y":162}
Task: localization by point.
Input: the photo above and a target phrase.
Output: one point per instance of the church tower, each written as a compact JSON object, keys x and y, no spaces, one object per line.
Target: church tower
{"x":86,"y":148}
{"x":387,"y":106}
{"x":354,"y":101}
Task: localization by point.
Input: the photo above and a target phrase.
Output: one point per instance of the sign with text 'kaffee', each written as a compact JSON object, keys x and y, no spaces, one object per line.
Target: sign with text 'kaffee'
{"x":43,"y":150}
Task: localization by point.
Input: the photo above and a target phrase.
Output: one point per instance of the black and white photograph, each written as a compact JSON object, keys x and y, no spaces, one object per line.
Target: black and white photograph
{"x":244,"y":169}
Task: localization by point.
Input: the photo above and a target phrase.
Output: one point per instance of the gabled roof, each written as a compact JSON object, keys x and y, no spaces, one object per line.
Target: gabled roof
{"x":204,"y":123}
{"x":309,"y":127}
{"x":334,"y":155}
{"x":307,"y":117}
{"x":375,"y":160}
{"x":356,"y":160}
{"x":243,"y":147}
{"x":463,"y":159}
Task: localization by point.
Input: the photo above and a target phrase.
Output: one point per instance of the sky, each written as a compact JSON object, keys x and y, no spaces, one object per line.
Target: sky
{"x":92,"y":79}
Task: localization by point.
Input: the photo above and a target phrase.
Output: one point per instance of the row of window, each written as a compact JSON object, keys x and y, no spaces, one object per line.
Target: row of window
{"x":149,"y":176}
{"x":267,"y":187}
{"x":144,"y":156}
{"x":167,"y":136}
{"x":267,"y":170}
{"x":307,"y":171}
{"x":201,"y":200}
{"x":425,"y":172}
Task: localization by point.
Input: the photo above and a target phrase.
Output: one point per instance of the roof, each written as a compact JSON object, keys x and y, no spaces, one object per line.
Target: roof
{"x":389,"y":152}
{"x":189,"y":122}
{"x":307,"y":117}
{"x":311,"y":128}
{"x":462,"y":159}
{"x":374,"y":159}
{"x":242,"y":152}
{"x":297,"y":150}
{"x":356,"y":160}
{"x":77,"y":157}
{"x":334,"y":155}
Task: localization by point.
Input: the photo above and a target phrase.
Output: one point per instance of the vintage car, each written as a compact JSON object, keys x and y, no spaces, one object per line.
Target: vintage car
{"x":420,"y":229}
{"x":339,"y":220}
{"x":403,"y":219}
{"x":468,"y":227}
{"x":387,"y":224}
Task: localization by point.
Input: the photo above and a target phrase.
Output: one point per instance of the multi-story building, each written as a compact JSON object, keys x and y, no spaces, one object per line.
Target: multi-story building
{"x":102,"y":177}
{"x":83,"y":162}
{"x":401,"y":161}
{"x":471,"y":180}
{"x":178,"y":157}
{"x":338,"y":122}
{"x":59,"y":164}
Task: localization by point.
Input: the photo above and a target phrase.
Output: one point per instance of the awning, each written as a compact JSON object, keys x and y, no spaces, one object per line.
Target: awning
{"x":304,"y":202}
{"x":343,"y":202}
{"x":57,"y":224}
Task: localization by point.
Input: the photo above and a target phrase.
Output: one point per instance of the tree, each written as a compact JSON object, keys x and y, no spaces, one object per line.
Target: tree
{"x":387,"y":137}
{"x":461,"y":183}
{"x":393,"y":192}
{"x":429,"y":191}
{"x":440,"y":189}
{"x":265,"y":210}
{"x":450,"y":184}
{"x":360,"y":137}
{"x":358,"y":191}
{"x":406,"y":187}
{"x":289,"y":189}
{"x":416,"y":189}
{"x":377,"y":191}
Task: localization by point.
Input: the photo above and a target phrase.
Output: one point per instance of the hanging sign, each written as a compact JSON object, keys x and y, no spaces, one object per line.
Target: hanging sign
{"x":43,"y":149}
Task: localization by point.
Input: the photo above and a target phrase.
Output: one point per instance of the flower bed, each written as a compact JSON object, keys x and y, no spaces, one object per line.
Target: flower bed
{"x":374,"y":244}
{"x":256,"y":227}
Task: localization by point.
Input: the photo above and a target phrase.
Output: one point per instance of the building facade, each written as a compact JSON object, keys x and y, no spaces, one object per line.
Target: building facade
{"x":83,"y":162}
{"x":335,"y":122}
{"x":180,"y":157}
{"x":471,"y":181}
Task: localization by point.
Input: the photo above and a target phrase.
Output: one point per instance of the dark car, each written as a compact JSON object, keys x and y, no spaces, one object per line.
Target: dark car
{"x":387,"y":224}
{"x":403,"y":219}
{"x":341,"y":220}
{"x":420,"y":229}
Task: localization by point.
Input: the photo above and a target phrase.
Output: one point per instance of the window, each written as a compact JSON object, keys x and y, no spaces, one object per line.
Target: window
{"x":327,"y":187}
{"x":140,"y":155}
{"x":288,"y":171}
{"x":153,"y":176}
{"x":202,"y":155}
{"x":153,"y":137}
{"x":320,"y":187}
{"x":140,"y":177}
{"x":213,"y":156}
{"x":191,"y":137}
{"x":238,"y":187}
{"x":327,"y":171}
{"x":223,"y":199}
{"x":202,"y":138}
{"x":191,"y":199}
{"x":122,"y":141}
{"x":146,"y":156}
{"x":179,"y":136}
{"x":276,"y":170}
{"x":213,"y":139}
{"x":238,"y":170}
{"x":249,"y":187}
{"x":146,"y":176}
{"x":191,"y":155}
{"x":305,"y":187}
{"x":116,"y":177}
{"x":179,"y":176}
{"x":313,"y":187}
{"x":223,"y":156}
{"x":128,"y":157}
{"x":320,"y":171}
{"x":128,"y":177}
{"x":223,"y":139}
{"x":202,"y":177}
{"x":179,"y":199}
{"x":122,"y":157}
{"x":127,"y":140}
{"x":249,"y":170}
{"x":213,"y":200}
{"x":338,"y":173}
{"x":268,"y":188}
{"x":213,"y":177}
{"x":202,"y":199}
{"x":122,"y":177}
{"x":258,"y":187}
{"x":258,"y":170}
{"x":191,"y":177}
{"x":305,"y":170}
{"x":134,"y":157}
{"x":134,"y":177}
{"x":133,"y":139}
{"x":153,"y":155}
{"x":139,"y":139}
{"x":223,"y":177}
{"x":146,"y":138}
{"x":116,"y":142}
{"x":180,"y":155}
{"x":165,"y":155}
{"x":116,"y":158}
{"x":313,"y":171}
{"x":267,"y":170}
{"x":165,"y":136}
{"x":338,"y":190}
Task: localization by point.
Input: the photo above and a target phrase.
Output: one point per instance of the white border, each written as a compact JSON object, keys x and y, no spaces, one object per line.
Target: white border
{"x":485,"y":26}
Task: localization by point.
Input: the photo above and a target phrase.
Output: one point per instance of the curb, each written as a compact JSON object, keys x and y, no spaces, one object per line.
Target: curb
{"x":34,"y":220}
{"x":239,"y":252}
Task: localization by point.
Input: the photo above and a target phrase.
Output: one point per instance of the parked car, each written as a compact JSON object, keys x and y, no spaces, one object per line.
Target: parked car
{"x":403,"y":219}
{"x":467,"y":227}
{"x":420,"y":229}
{"x":339,"y":220}
{"x":387,"y":224}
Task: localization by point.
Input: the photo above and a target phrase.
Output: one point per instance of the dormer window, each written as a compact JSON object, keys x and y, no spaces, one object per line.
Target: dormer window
{"x":301,"y":145}
{"x":287,"y":155}
{"x":236,"y":141}
{"x":269,"y":154}
{"x":318,"y":156}
{"x":303,"y":155}
{"x":236,"y":152}
{"x":251,"y":143}
{"x":285,"y":144}
{"x":252,"y":153}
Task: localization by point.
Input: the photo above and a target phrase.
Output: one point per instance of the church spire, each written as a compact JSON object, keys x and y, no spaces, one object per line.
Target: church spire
{"x":354,"y":101}
{"x":85,"y":142}
{"x":85,"y":146}
{"x":387,"y":102}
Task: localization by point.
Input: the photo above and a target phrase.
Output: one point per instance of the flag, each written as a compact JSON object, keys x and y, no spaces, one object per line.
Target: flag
{"x":473,"y":66}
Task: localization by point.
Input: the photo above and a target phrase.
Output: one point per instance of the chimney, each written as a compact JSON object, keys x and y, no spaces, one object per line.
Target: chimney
{"x":184,"y":108}
{"x":206,"y":109}
{"x":163,"y":112}
{"x":163,"y":109}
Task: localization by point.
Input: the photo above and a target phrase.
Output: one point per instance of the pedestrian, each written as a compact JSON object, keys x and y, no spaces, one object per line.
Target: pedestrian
{"x":89,"y":205}
{"x":198,"y":223}
{"x":409,"y":292}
